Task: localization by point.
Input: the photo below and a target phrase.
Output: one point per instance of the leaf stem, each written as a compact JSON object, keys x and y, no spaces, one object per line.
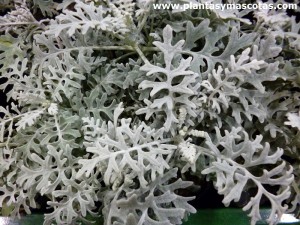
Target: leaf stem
{"x":141,"y":54}
{"x":7,"y":144}
{"x":19,"y":23}
{"x":143,"y":22}
{"x":296,"y":188}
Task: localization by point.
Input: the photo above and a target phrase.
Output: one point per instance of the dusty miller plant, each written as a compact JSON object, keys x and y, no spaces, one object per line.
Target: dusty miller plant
{"x":114,"y":102}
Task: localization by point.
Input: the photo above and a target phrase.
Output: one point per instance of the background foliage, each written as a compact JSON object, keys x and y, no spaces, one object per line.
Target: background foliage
{"x":114,"y":107}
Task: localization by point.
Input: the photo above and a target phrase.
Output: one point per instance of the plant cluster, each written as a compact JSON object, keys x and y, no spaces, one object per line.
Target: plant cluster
{"x":114,"y":102}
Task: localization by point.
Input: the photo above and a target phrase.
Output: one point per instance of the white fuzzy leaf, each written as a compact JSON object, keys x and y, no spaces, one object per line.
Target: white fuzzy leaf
{"x":293,"y":120}
{"x":29,"y":118}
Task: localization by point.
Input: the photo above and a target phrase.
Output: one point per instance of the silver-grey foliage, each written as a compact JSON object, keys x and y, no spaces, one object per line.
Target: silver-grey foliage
{"x":117,"y":102}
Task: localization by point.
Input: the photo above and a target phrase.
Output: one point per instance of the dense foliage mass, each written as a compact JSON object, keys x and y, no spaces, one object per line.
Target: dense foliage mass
{"x":114,"y":102}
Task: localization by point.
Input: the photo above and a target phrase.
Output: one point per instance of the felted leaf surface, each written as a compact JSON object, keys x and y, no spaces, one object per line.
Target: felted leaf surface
{"x":117,"y":148}
{"x":232,"y":175}
{"x":156,"y":204}
{"x":85,"y":17}
{"x":293,"y":120}
{"x":175,"y":86}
